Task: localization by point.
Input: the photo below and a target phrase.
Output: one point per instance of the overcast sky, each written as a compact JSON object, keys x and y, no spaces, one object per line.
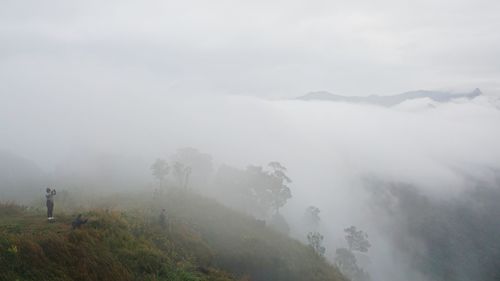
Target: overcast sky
{"x":270,"y":49}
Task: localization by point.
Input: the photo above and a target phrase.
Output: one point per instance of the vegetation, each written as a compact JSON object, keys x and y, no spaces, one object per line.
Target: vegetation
{"x":315,"y":240}
{"x":460,"y":234}
{"x":257,"y":191}
{"x":160,"y":170}
{"x":348,"y":265}
{"x":312,"y":218}
{"x":357,"y":240}
{"x":192,"y":167}
{"x":201,"y":240}
{"x":345,"y":259}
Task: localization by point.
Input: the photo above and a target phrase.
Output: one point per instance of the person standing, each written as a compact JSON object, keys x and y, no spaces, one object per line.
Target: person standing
{"x":50,"y":202}
{"x":163,"y":218}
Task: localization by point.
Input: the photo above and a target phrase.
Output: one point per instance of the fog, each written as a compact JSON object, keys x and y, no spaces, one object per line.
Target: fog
{"x":332,"y":151}
{"x":91,"y":95}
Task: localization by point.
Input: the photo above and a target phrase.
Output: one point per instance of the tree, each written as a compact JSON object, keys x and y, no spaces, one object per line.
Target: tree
{"x":311,"y":217}
{"x":181,"y":174}
{"x":345,"y":259}
{"x":357,"y":240}
{"x":200,"y":166}
{"x":279,"y":171}
{"x":160,"y":170}
{"x":257,"y":187}
{"x":255,"y":190}
{"x":315,"y":241}
{"x":269,"y":188}
{"x":347,"y":264}
{"x":279,"y":190}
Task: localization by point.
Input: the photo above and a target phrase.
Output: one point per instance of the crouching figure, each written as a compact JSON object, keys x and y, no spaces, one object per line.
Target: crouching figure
{"x":78,"y":222}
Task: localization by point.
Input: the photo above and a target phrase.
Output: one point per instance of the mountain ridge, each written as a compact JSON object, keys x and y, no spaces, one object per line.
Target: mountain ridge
{"x":390,"y":100}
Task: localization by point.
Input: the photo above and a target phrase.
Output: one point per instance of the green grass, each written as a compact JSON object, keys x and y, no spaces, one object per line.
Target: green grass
{"x":202,"y":241}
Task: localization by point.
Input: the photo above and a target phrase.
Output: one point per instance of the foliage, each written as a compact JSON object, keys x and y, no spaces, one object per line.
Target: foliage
{"x":160,"y":170}
{"x":181,"y":173}
{"x":447,"y":238}
{"x":357,"y":240}
{"x":244,"y":246}
{"x":279,"y":189}
{"x":201,"y":241}
{"x":311,"y":217}
{"x":112,"y":246}
{"x":315,"y":240}
{"x":200,"y":167}
{"x":255,"y":190}
{"x":347,"y":264}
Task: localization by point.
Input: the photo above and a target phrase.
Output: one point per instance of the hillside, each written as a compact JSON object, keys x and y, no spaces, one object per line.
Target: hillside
{"x":202,"y":240}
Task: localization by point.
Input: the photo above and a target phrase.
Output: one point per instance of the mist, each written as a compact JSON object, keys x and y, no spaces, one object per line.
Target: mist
{"x":333,"y":151}
{"x":91,"y":95}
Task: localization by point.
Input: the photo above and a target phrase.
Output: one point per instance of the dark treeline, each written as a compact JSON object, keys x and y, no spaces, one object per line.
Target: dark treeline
{"x":446,"y":239}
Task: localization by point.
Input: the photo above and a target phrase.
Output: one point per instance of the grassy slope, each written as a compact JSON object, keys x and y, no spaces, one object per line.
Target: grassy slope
{"x":203,"y":241}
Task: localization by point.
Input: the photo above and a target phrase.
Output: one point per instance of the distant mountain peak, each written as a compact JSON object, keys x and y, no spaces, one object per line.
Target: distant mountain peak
{"x":317,"y":95}
{"x":477,"y":92}
{"x":391,"y":100}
